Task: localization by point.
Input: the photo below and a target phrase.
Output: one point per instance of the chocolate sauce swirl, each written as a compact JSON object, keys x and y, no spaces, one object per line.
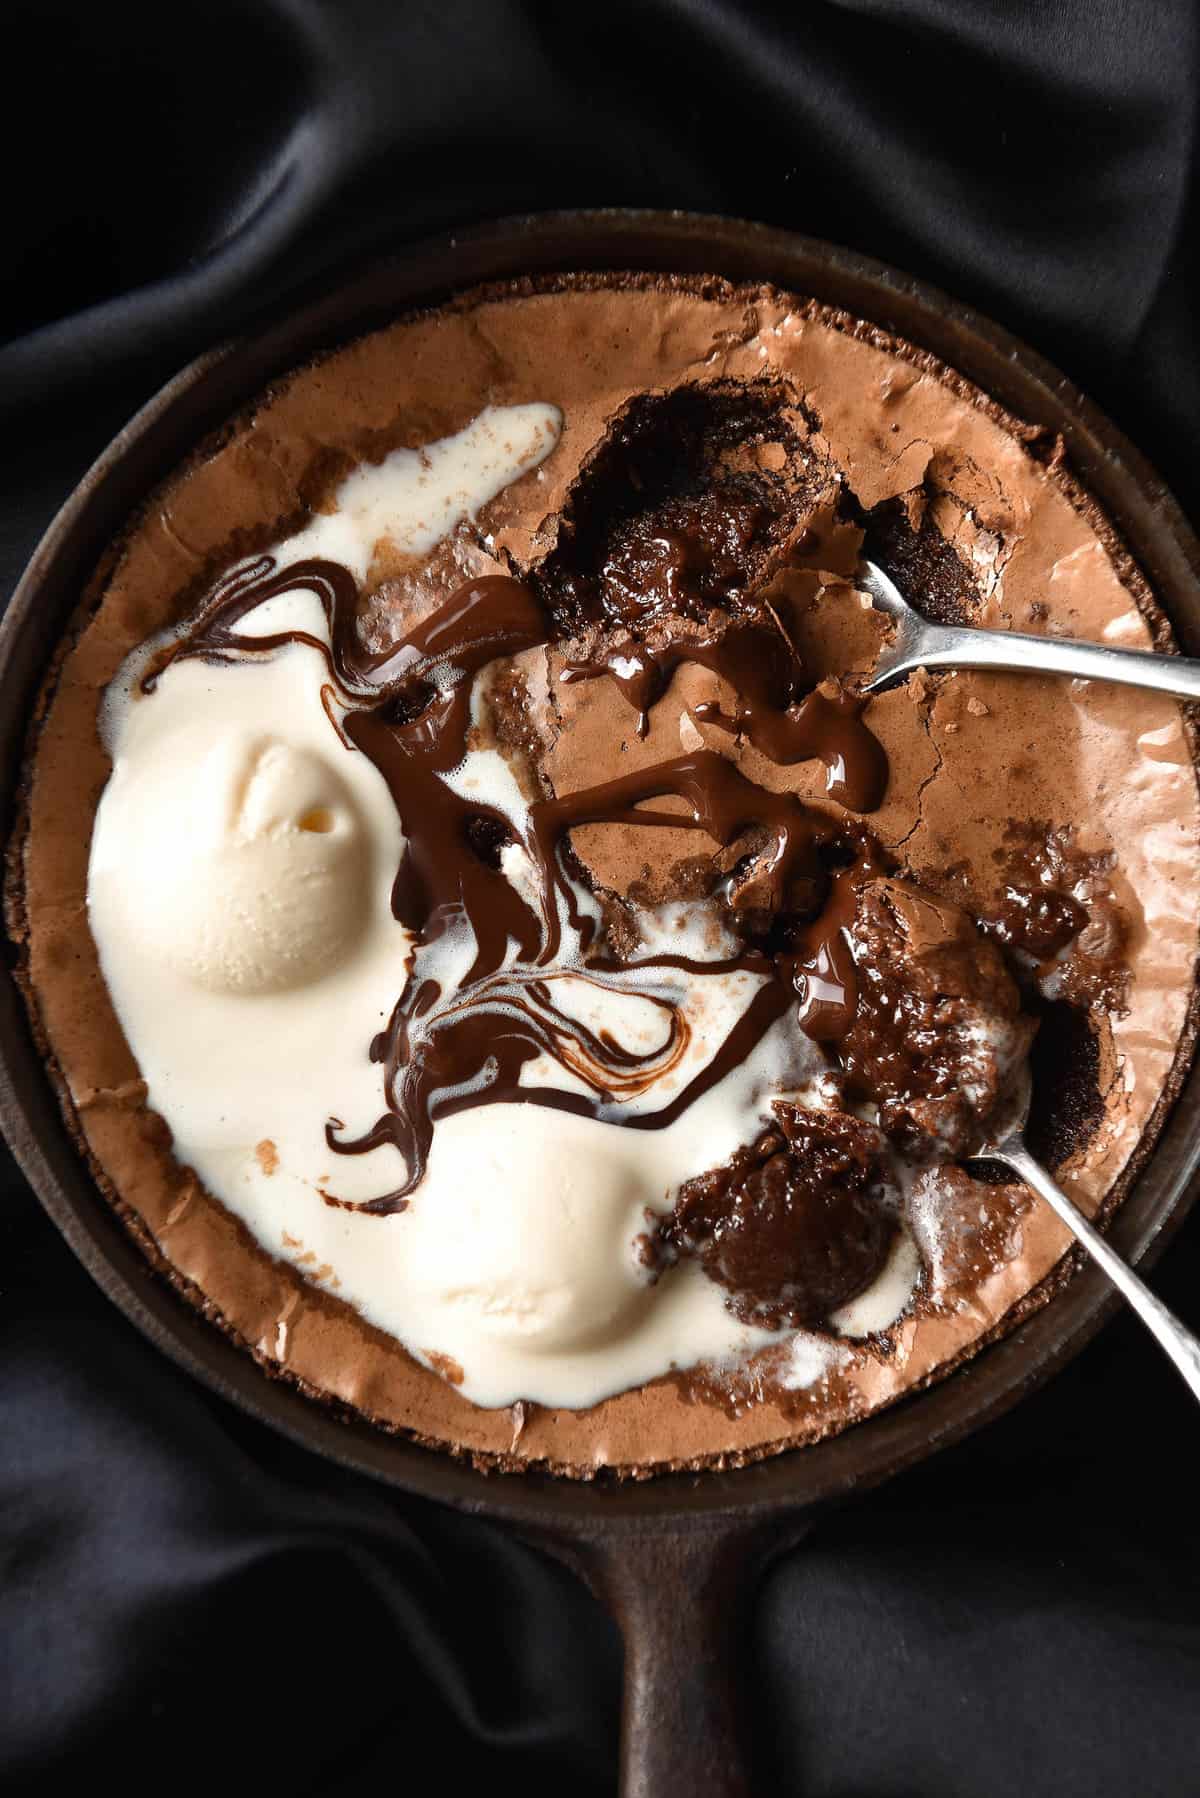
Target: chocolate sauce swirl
{"x":408,"y":709}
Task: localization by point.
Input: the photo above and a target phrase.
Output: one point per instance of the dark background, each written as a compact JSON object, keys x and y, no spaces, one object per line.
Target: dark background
{"x":185,"y":1595}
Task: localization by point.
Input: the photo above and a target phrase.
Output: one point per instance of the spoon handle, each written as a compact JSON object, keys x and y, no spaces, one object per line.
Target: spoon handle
{"x":1174,"y":1337}
{"x":951,"y":646}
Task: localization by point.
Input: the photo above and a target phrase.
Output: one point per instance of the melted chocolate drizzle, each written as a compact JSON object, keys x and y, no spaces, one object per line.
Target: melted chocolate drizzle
{"x":823,"y":969}
{"x":761,"y":667}
{"x":408,"y":709}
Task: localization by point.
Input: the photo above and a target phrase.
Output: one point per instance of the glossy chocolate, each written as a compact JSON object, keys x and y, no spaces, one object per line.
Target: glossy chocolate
{"x":408,"y":709}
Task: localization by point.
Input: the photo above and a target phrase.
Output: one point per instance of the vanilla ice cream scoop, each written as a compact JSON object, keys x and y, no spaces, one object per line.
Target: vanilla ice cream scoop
{"x":523,"y":1241}
{"x":244,"y":866}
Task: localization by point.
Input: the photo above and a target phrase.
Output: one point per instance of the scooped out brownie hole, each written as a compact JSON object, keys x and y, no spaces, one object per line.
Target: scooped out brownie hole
{"x":683,"y":509}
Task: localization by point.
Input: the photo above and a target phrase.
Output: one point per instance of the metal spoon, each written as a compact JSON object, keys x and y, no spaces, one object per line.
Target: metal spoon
{"x":919,"y":644}
{"x":1007,"y":1145}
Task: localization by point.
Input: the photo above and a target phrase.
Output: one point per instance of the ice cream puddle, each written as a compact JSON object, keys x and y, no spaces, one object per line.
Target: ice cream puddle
{"x":332,"y":920}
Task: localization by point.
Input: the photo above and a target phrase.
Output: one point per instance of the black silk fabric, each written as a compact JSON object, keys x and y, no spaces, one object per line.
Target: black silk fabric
{"x":187,"y":1597}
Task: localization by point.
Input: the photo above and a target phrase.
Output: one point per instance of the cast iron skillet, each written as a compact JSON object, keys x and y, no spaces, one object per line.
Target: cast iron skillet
{"x":675,"y":1557}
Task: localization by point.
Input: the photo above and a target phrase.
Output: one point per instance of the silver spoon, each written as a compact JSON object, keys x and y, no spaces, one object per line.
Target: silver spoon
{"x":919,"y":644}
{"x":1007,"y":1145}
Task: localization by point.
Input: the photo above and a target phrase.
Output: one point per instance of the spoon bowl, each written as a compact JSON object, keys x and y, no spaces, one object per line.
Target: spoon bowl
{"x":1006,"y":1144}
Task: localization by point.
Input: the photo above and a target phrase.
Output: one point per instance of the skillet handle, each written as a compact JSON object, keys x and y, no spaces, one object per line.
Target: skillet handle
{"x":680,"y":1593}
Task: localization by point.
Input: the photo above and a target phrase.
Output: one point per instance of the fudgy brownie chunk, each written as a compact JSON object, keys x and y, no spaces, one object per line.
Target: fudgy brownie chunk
{"x":938,"y":1026}
{"x":794,"y":1226}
